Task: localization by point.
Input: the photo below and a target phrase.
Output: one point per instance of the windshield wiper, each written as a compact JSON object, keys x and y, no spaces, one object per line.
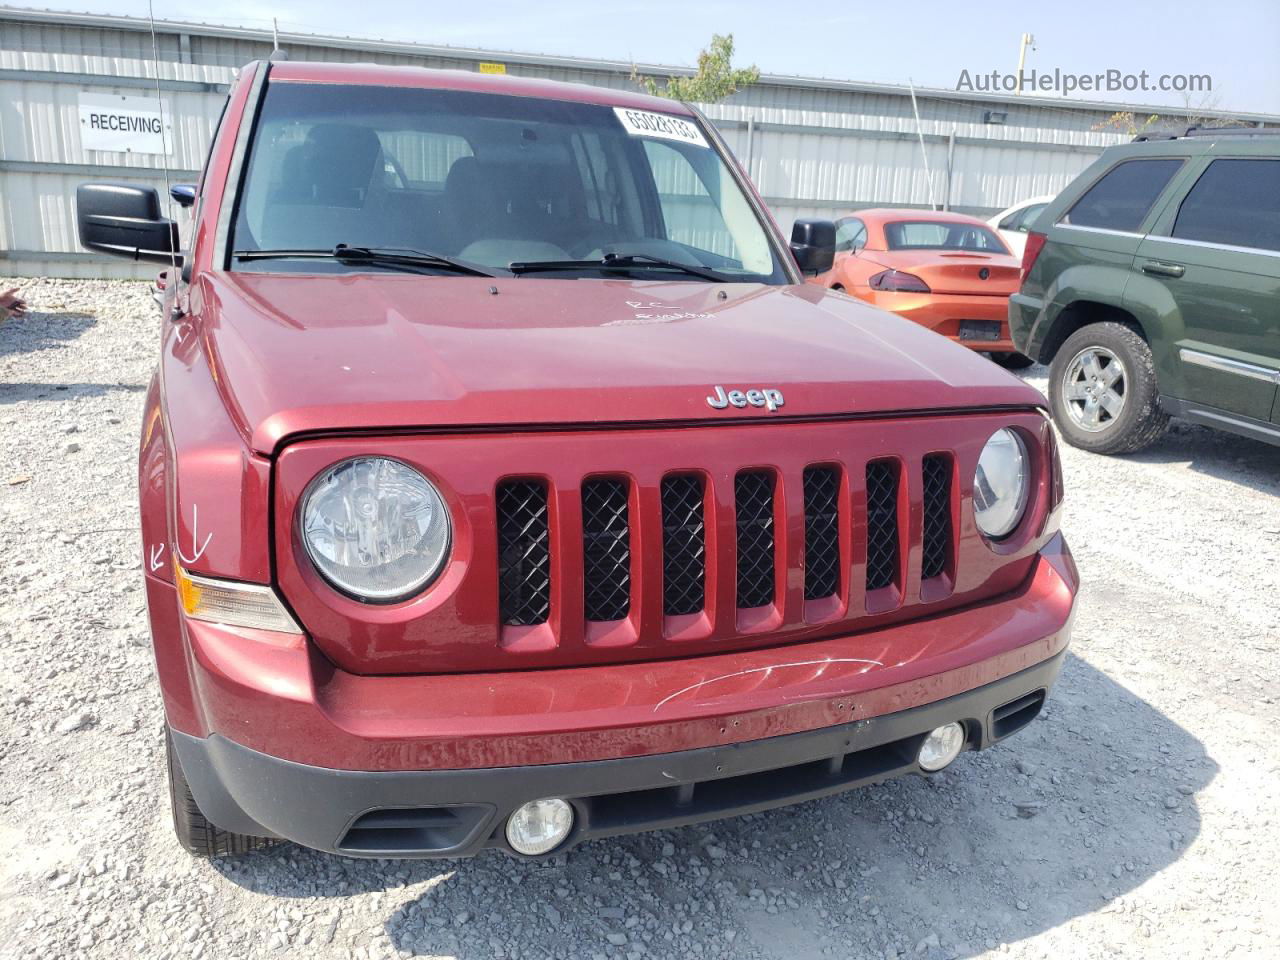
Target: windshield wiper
{"x":378,"y":256}
{"x":616,"y":261}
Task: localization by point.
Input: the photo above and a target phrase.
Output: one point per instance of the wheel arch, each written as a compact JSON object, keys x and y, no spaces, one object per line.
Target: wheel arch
{"x":1079,"y":314}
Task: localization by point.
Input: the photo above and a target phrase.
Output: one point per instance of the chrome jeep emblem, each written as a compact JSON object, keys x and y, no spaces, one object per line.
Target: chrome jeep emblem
{"x":766,"y":397}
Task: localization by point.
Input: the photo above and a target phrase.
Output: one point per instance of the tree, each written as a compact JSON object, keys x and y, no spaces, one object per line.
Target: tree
{"x":1126,"y":122}
{"x":716,"y":77}
{"x":1195,"y":113}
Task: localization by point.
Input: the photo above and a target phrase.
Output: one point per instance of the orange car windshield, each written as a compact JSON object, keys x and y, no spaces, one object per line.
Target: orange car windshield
{"x":942,"y":235}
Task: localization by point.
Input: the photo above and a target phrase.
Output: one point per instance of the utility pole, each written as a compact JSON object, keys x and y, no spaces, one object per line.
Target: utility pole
{"x":924,"y":154}
{"x":1027,"y":41}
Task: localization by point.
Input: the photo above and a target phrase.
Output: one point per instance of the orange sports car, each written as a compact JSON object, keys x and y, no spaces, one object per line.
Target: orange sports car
{"x":948,"y":272}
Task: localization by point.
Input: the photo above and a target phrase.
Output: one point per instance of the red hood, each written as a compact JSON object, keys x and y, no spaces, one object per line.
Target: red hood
{"x":296,"y":354}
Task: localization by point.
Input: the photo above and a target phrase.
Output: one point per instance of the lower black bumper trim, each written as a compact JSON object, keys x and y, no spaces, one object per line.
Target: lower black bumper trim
{"x":446,"y":813}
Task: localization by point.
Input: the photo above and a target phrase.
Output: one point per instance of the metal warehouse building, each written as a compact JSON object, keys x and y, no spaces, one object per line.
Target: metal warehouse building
{"x":813,"y":147}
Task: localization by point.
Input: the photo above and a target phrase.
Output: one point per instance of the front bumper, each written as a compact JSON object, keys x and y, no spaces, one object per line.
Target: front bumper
{"x":276,"y":741}
{"x":449,"y":813}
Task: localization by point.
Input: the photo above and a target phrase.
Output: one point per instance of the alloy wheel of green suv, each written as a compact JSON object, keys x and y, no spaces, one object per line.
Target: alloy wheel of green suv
{"x":1093,"y":389}
{"x":1102,"y":388}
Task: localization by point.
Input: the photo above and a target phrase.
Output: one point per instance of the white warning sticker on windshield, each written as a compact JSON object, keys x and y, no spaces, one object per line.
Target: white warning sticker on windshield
{"x":642,"y":123}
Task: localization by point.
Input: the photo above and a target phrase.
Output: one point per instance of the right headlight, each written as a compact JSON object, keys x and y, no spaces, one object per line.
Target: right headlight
{"x":375,"y":528}
{"x":1001,"y":484}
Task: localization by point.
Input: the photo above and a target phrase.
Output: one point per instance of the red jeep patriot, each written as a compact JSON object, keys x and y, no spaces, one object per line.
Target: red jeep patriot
{"x":503,"y":485}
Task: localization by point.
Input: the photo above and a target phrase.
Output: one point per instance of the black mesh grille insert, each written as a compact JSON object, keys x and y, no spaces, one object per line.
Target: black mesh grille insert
{"x":524,"y":553}
{"x":882,"y":523}
{"x":821,"y":532}
{"x":937,"y":515}
{"x":606,"y":550}
{"x":753,"y":499}
{"x":684,"y":545}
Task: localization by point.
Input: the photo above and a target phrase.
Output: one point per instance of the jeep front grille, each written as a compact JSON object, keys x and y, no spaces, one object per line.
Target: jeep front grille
{"x":524,"y":553}
{"x":830,"y":538}
{"x":631,"y":549}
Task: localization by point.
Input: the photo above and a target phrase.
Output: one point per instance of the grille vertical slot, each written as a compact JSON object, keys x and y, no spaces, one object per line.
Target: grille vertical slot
{"x":753,"y":508}
{"x":936,"y":544}
{"x":821,"y":532}
{"x":524,"y":553}
{"x":684,"y":545}
{"x":606,"y":549}
{"x":882,"y":523}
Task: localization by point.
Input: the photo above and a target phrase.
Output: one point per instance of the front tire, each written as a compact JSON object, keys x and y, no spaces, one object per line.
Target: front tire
{"x":1103,"y":391}
{"x":196,"y":834}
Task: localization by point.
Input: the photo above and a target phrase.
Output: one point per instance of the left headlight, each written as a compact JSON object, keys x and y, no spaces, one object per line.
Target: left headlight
{"x":375,"y":528}
{"x":1001,"y":484}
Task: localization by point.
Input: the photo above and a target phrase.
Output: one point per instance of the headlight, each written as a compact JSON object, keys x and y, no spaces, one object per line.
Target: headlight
{"x":375,"y":528}
{"x":1001,"y":484}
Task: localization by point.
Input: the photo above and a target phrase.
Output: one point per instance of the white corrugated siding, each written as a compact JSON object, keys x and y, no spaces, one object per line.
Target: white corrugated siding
{"x":815,"y":150}
{"x":37,"y":211}
{"x":42,"y":125}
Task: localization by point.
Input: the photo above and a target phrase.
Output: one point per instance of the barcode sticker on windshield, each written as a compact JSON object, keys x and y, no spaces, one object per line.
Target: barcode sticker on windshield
{"x":641,"y":123}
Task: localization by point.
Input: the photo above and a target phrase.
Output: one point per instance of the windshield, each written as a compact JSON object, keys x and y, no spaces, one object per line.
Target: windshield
{"x":491,"y":180}
{"x":942,"y":235}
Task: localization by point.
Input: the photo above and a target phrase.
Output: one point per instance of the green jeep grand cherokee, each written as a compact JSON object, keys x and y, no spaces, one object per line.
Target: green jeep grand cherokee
{"x":1151,"y":286}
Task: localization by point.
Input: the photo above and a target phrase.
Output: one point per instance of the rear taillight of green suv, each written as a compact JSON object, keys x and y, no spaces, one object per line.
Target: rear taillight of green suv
{"x":1035,"y":243}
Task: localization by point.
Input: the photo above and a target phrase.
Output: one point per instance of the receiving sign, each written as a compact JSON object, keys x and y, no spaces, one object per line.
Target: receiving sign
{"x":643,"y":123}
{"x":124,"y":124}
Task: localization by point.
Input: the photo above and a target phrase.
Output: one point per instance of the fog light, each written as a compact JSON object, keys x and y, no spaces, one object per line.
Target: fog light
{"x":940,"y":747}
{"x":539,"y":826}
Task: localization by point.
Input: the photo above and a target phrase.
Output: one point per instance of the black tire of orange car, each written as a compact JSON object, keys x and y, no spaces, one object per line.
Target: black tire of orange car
{"x":1012,"y":360}
{"x":1142,"y":422}
{"x":196,"y":834}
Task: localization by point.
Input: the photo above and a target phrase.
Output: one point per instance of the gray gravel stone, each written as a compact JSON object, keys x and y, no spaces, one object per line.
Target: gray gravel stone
{"x":75,"y":721}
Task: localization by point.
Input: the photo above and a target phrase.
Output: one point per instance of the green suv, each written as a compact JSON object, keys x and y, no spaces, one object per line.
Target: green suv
{"x":1151,"y":286}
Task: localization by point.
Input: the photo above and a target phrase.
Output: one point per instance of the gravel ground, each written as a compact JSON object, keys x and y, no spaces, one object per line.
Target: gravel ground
{"x":1139,"y":817}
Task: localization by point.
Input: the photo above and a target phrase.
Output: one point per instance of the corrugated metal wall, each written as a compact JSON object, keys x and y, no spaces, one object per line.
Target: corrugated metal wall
{"x":813,"y":148}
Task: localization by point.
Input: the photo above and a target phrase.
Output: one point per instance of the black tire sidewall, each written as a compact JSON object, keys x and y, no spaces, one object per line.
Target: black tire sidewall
{"x":196,"y":833}
{"x":191,"y":827}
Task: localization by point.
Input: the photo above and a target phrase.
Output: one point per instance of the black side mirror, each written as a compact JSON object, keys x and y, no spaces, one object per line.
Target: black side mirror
{"x":184,"y":194}
{"x":813,"y":244}
{"x":124,"y":220}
